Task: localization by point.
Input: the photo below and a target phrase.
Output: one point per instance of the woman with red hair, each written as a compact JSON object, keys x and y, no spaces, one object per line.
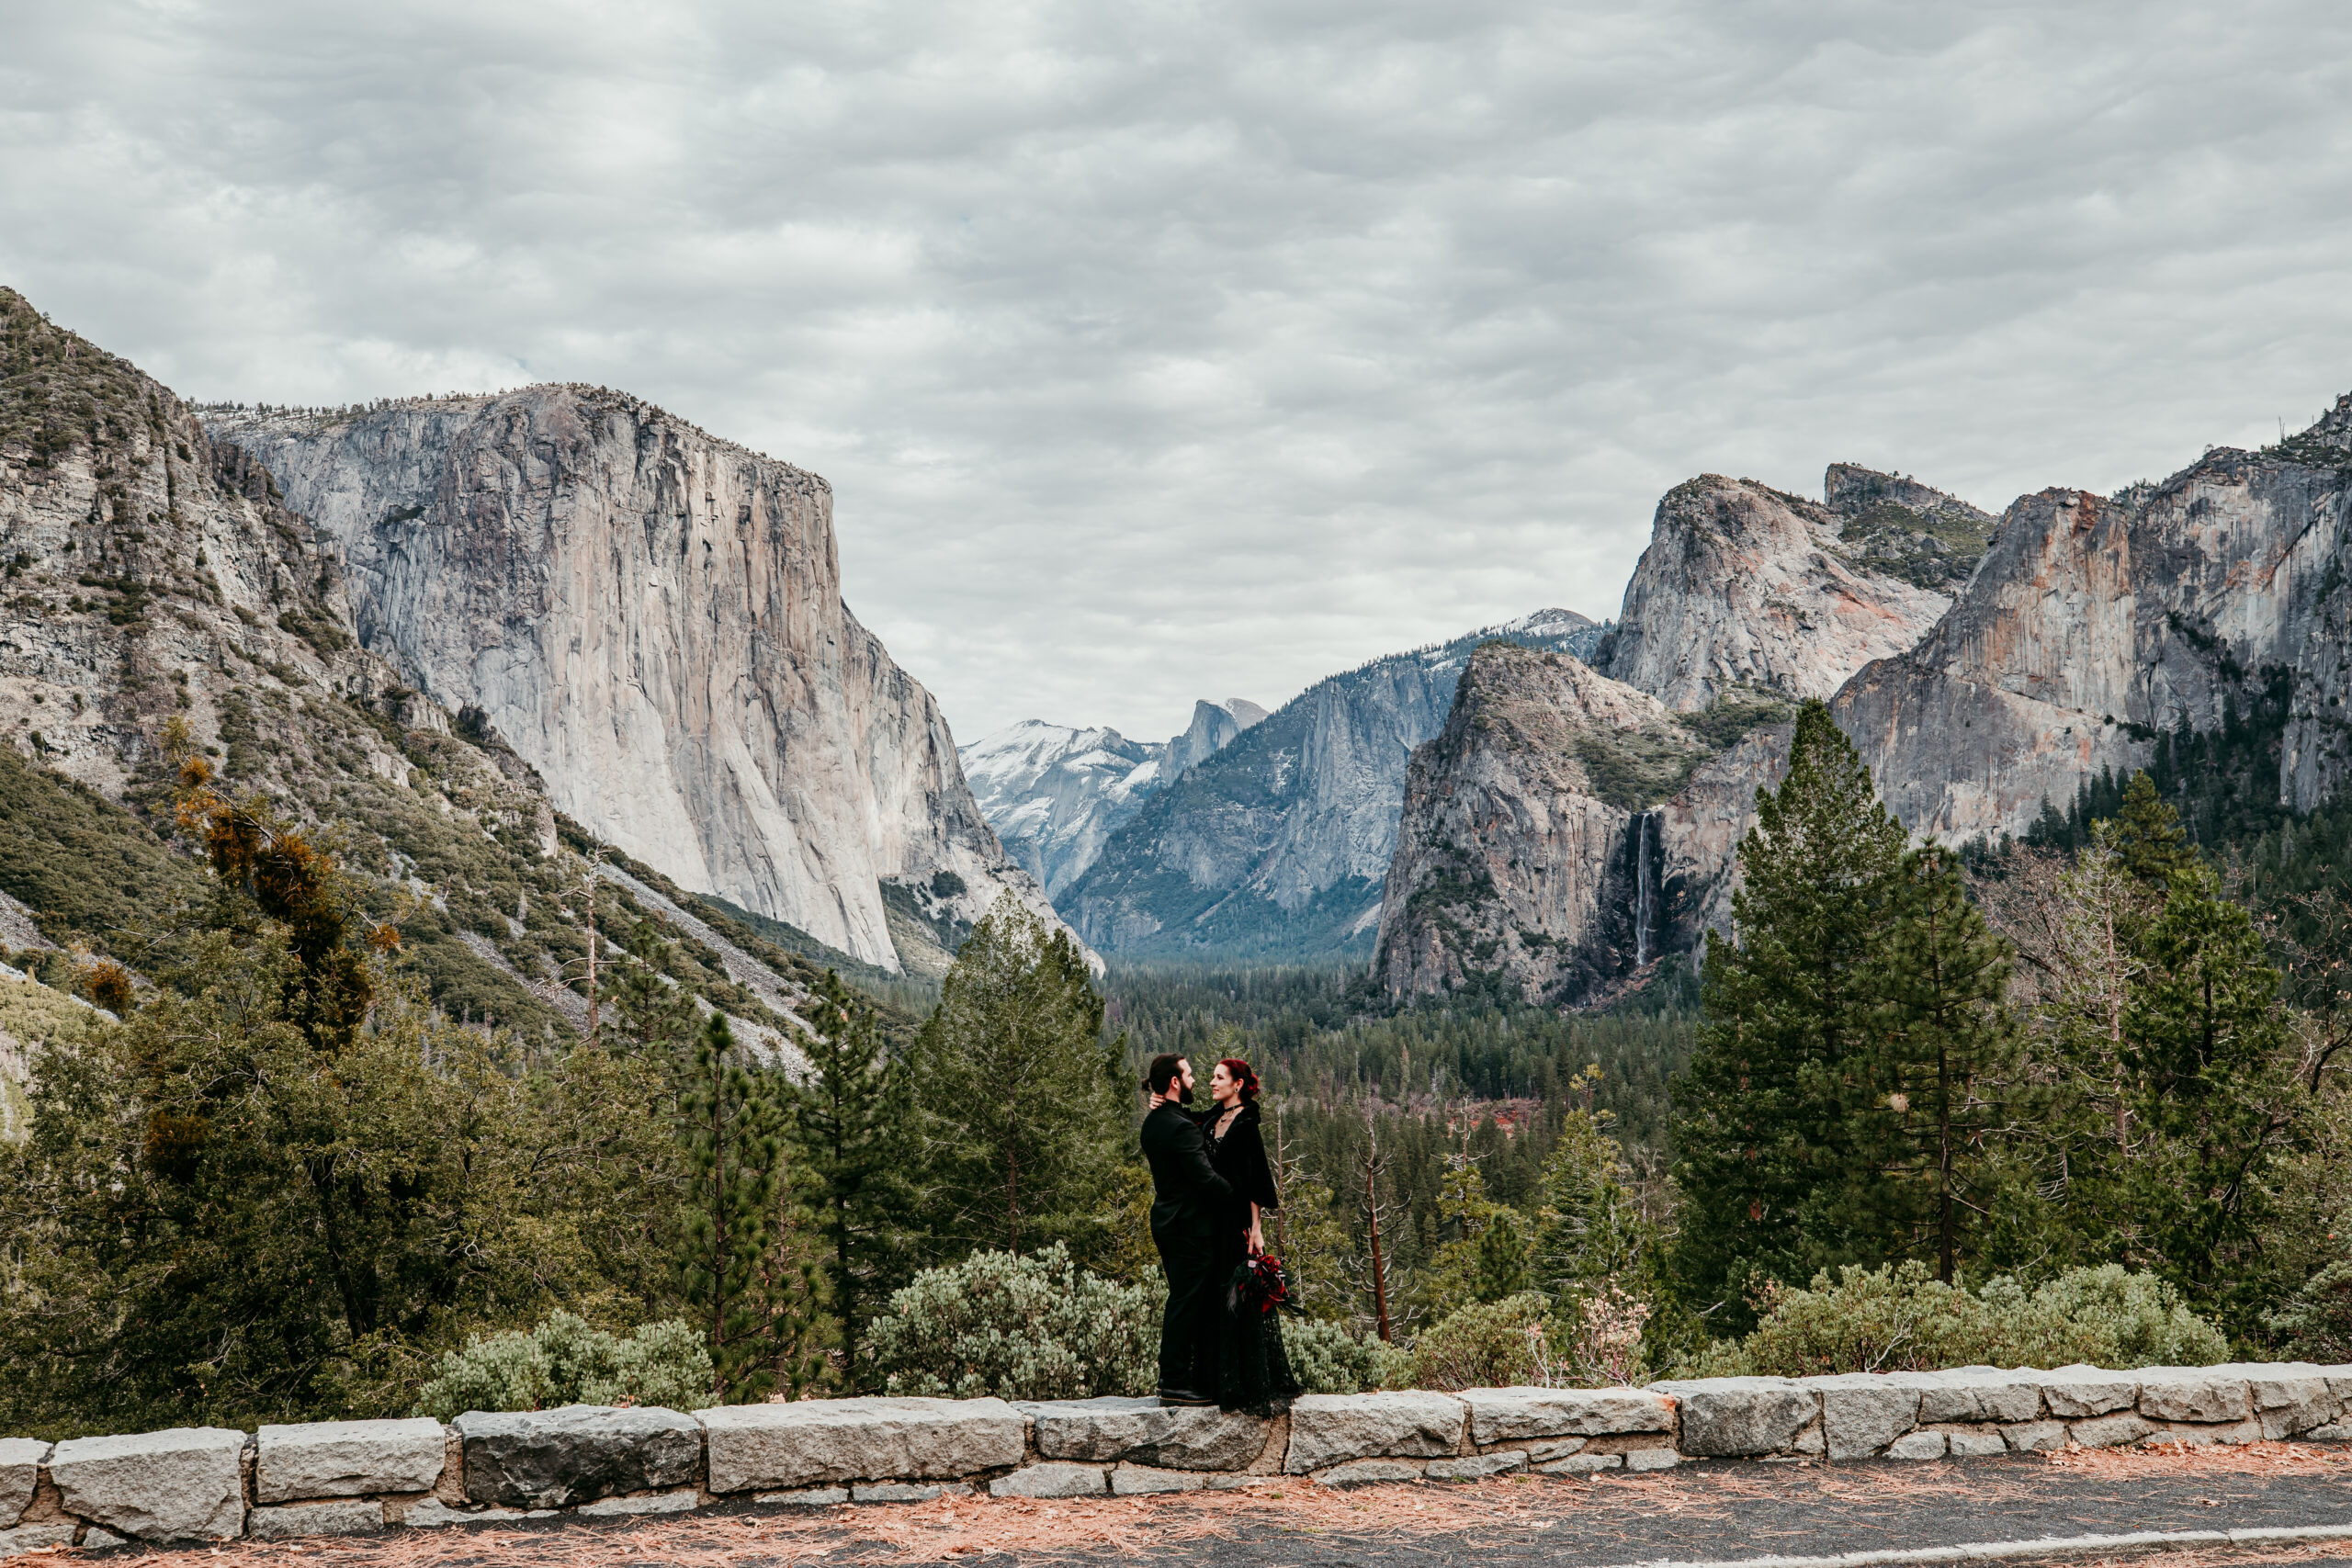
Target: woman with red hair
{"x":1253,"y":1373}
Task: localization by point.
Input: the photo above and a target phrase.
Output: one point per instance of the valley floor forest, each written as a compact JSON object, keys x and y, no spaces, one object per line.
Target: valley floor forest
{"x":2075,"y":1098}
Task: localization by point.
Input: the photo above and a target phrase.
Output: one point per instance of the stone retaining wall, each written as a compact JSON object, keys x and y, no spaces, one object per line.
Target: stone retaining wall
{"x":359,"y":1477}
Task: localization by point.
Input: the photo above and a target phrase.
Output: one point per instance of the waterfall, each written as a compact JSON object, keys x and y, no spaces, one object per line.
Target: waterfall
{"x":1642,"y":889}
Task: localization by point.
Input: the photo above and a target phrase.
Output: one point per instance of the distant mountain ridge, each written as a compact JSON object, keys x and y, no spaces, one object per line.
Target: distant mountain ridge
{"x":1277,"y":845}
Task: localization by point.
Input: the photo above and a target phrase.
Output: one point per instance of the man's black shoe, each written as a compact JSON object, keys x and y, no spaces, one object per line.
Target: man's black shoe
{"x":1184,"y":1397}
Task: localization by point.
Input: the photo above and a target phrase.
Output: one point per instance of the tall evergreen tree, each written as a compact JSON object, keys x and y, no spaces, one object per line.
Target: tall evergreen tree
{"x":1027,"y":1113}
{"x":729,"y":1117}
{"x":1949,"y":1119}
{"x":850,"y":1129}
{"x":1773,"y":1177}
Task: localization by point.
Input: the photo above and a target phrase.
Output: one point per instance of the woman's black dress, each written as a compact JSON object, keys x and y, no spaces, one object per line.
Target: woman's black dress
{"x":1253,"y":1372}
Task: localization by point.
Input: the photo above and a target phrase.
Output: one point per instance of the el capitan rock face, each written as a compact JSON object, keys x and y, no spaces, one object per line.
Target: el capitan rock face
{"x":2095,"y":622}
{"x":1747,"y":586}
{"x":652,"y":618}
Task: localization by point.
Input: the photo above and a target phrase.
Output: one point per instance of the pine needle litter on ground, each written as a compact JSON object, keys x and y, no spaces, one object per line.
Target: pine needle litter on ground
{"x":2179,"y":1458}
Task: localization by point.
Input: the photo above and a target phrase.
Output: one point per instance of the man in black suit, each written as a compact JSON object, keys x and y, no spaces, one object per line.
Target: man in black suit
{"x":1183,"y":1188}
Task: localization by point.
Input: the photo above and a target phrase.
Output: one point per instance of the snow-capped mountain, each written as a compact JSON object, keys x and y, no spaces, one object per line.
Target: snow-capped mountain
{"x":1054,"y":793}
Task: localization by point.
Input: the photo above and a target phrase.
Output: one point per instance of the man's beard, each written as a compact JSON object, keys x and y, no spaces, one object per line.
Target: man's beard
{"x":1183,"y":1094}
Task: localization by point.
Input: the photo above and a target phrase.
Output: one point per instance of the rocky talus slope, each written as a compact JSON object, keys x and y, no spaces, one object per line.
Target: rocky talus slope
{"x":652,"y":618}
{"x":1743,"y":586}
{"x":1562,"y":833}
{"x":1277,"y":845}
{"x":2097,"y":621}
{"x":153,"y":572}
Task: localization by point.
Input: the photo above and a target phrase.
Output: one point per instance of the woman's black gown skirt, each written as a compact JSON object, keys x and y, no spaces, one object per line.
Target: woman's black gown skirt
{"x":1253,"y":1369}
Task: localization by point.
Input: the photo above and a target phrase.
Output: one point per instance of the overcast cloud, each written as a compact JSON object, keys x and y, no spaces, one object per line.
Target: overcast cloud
{"x":1164,"y":351}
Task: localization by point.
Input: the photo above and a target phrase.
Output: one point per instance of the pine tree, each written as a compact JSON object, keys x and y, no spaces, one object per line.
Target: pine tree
{"x":727,"y":1114}
{"x":1025,"y":1110}
{"x":1948,"y":1119}
{"x":1592,"y":1229}
{"x":1767,"y":1161}
{"x":850,"y":1123}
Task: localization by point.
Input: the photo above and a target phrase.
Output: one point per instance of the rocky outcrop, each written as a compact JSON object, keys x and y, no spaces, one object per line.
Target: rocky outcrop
{"x":652,"y":618}
{"x":1540,"y":829}
{"x":1277,"y":845}
{"x":1215,"y":726}
{"x":1892,"y":525}
{"x":1743,"y":586}
{"x":2095,"y":622}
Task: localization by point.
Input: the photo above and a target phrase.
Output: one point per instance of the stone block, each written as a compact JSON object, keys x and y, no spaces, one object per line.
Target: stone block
{"x":806,"y":1497}
{"x":2291,"y":1398}
{"x":1331,"y":1428}
{"x":1917,"y":1445}
{"x":346,"y":1459}
{"x":1582,"y":1464}
{"x":2203,"y":1434}
{"x":814,"y":1441}
{"x":1864,"y":1412}
{"x":1974,"y":1443}
{"x":1478,"y":1467}
{"x":683,"y":1501}
{"x":2110,"y":1431}
{"x":20,"y":1474}
{"x":1368,"y":1471}
{"x":34,"y":1538}
{"x":1809,"y":1441}
{"x":1145,"y":1432}
{"x":2078,"y":1391}
{"x":1639,"y":1460}
{"x":896,"y":1492}
{"x":353,"y":1517}
{"x":431,"y":1513}
{"x":2035,"y":1437}
{"x":1225,"y":1481}
{"x":1738,"y":1417}
{"x":1977,"y":1394}
{"x":2193,"y":1393}
{"x":549,"y":1459}
{"x":1515,"y":1415}
{"x":1144,"y":1480}
{"x":1053,"y":1478}
{"x":96,"y":1540}
{"x":186,"y":1484}
{"x":2334,"y":1432}
{"x":1543,"y":1454}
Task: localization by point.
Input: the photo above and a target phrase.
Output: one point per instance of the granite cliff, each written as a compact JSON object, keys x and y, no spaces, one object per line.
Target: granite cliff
{"x":1276,"y":846}
{"x":1563,"y":832}
{"x":652,"y":618}
{"x":1743,"y":586}
{"x":154,"y":574}
{"x":2082,"y":628}
{"x":2095,"y":622}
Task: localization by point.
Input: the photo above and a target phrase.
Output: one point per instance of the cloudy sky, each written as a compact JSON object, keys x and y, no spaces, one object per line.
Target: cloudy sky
{"x":1157,"y":350}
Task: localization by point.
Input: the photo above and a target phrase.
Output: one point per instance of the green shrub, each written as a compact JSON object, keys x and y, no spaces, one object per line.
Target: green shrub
{"x":1902,"y":1319}
{"x":1487,"y":1345}
{"x":1327,"y":1359}
{"x":564,"y":1362}
{"x":2316,"y":1323}
{"x":1033,"y":1328}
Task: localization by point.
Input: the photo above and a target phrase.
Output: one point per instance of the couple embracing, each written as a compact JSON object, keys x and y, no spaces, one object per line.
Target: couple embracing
{"x":1220,"y":1342}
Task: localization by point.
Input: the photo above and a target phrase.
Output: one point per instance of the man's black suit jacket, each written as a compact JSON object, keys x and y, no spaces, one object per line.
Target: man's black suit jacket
{"x":1185,"y":1188}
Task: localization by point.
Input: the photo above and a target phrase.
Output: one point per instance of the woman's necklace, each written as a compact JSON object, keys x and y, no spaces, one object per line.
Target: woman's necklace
{"x":1225,"y":1121}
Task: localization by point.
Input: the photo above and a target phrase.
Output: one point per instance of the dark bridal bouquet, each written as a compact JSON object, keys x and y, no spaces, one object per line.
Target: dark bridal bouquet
{"x":1262,"y":1284}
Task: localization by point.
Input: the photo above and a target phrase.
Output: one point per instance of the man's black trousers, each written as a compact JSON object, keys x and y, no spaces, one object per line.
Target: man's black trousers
{"x":1188,"y":1334}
